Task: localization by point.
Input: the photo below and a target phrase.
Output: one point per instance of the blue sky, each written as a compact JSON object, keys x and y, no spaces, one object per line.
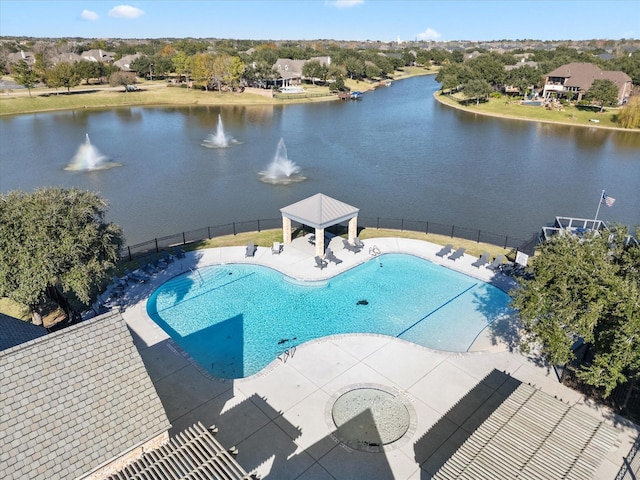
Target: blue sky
{"x":384,"y":20}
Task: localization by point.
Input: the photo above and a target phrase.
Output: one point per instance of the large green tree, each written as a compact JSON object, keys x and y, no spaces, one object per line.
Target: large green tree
{"x":55,"y":238}
{"x":24,"y":75}
{"x":62,"y":75}
{"x":603,"y":93}
{"x":585,"y":288}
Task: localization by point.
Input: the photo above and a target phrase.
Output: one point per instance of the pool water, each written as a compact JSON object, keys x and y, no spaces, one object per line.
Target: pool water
{"x":236,"y":319}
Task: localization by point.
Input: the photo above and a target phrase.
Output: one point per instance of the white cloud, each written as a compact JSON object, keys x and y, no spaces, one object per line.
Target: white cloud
{"x":345,"y":3}
{"x":89,"y":15}
{"x":125,"y":11}
{"x":429,"y":34}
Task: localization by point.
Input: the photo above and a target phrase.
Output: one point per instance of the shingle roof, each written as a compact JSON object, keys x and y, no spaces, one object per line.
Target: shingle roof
{"x":319,"y":211}
{"x":193,"y":453}
{"x":73,"y":400}
{"x":532,"y":435}
{"x":14,"y":332}
{"x":580,"y":74}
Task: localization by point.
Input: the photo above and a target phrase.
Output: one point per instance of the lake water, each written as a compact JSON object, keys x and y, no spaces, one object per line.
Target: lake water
{"x":395,"y":153}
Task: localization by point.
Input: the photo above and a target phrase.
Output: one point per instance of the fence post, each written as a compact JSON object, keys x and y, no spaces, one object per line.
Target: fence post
{"x":478,"y":236}
{"x":184,"y":239}
{"x":234,"y":228}
{"x":402,"y":224}
{"x":377,"y":223}
{"x":209,"y":232}
{"x":157,"y":249}
{"x":452,"y":228}
{"x":258,"y":225}
{"x":129,"y":250}
{"x":506,"y":241}
{"x":427,"y":229}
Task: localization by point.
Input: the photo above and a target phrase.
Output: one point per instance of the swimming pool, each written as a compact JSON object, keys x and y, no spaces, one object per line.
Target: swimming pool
{"x":236,"y":319}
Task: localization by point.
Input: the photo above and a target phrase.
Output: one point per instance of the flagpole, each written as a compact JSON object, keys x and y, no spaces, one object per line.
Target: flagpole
{"x":598,"y":210}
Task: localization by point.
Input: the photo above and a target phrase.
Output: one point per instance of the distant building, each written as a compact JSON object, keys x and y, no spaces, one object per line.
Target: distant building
{"x":98,"y":55}
{"x":28,"y":57}
{"x":573,"y":80}
{"x":125,"y":62}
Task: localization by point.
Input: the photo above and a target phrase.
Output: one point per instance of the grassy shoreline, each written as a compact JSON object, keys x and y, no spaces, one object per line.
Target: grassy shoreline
{"x":158,"y":93}
{"x":501,"y":108}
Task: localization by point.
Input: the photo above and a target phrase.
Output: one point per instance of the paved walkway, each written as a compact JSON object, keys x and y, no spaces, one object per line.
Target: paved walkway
{"x":280,"y":419}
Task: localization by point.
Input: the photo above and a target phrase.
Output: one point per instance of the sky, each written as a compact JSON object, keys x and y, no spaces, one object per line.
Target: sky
{"x":361,"y":20}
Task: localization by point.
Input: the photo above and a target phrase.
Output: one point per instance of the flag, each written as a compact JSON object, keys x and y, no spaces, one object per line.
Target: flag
{"x":607,"y":200}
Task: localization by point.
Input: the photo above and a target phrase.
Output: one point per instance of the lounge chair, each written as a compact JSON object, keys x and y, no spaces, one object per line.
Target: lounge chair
{"x":158,"y":262}
{"x":483,"y":260}
{"x":328,"y":254}
{"x":446,"y":250}
{"x":119,"y":282}
{"x":136,"y":276}
{"x":358,"y":243}
{"x":251,"y":250}
{"x":320,"y":262}
{"x":457,"y":254}
{"x":276,"y":248}
{"x":351,"y":248}
{"x":167,"y":257}
{"x":497,"y":262}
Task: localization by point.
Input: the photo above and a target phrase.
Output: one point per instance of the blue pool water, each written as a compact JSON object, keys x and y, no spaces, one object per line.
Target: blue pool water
{"x":236,"y":319}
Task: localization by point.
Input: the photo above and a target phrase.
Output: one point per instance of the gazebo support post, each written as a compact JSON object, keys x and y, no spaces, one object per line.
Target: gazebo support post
{"x":320,"y":242}
{"x":286,"y":230}
{"x":353,"y":229}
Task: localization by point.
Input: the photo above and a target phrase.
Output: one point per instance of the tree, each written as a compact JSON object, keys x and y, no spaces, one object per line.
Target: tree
{"x":315,"y":70}
{"x":55,"y":238}
{"x":182,"y":65}
{"x":629,"y":116}
{"x":87,"y":70}
{"x":62,"y":75}
{"x":585,"y":288}
{"x":122,"y":78}
{"x":477,"y":88}
{"x":24,"y":75}
{"x":603,"y":93}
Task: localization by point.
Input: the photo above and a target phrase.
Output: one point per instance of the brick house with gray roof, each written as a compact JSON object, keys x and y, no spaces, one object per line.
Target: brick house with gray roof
{"x":77,"y":403}
{"x":573,"y":80}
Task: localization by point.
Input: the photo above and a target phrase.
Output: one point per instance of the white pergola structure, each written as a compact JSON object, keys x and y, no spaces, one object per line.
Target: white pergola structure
{"x":319,"y":211}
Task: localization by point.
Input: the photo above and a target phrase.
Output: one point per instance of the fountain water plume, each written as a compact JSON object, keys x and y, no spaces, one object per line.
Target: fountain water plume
{"x":219,"y":139}
{"x":281,"y":170}
{"x":89,"y":158}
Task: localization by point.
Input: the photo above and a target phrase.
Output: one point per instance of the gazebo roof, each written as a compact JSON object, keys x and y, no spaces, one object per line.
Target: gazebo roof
{"x":319,"y":211}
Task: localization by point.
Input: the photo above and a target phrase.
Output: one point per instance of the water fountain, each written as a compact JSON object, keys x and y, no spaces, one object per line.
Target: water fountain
{"x":219,"y":139}
{"x":89,"y":158}
{"x":282,"y":171}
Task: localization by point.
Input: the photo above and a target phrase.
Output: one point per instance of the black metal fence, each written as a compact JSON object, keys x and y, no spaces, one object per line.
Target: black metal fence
{"x":630,"y":469}
{"x":156,"y":245}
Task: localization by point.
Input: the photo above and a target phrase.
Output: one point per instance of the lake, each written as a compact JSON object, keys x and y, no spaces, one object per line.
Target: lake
{"x":394,"y":153}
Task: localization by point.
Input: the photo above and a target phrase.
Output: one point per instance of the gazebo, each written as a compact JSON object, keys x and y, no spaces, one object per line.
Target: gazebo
{"x":319,"y":211}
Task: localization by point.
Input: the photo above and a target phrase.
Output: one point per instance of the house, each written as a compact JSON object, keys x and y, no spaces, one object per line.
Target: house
{"x":125,"y":62}
{"x":28,"y":57}
{"x":76,"y":402}
{"x":79,"y":403}
{"x":290,"y":71}
{"x":574,"y":80}
{"x":98,"y":55}
{"x":66,"y":58}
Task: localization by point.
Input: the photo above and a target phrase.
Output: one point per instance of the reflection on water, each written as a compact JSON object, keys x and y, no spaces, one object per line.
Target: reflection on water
{"x":397,"y":154}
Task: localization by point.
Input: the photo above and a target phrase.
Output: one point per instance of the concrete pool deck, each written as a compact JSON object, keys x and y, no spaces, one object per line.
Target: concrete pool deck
{"x":280,"y":419}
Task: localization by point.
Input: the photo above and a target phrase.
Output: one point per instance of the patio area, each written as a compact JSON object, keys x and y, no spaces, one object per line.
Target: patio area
{"x":281,"y":418}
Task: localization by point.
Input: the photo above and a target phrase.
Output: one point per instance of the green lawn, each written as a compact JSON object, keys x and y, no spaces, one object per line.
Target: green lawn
{"x":511,"y":108}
